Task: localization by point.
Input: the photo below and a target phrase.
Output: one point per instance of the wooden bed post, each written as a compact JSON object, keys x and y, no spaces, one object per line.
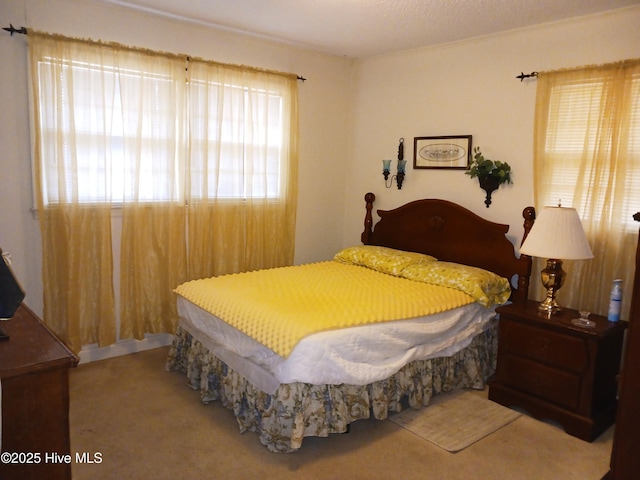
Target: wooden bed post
{"x":365,"y":238}
{"x":529,"y":215}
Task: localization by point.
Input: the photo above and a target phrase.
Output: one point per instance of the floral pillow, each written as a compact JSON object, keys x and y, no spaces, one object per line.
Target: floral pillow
{"x":383,"y":259}
{"x":485,"y":287}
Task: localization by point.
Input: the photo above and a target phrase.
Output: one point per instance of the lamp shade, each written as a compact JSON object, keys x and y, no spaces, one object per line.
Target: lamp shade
{"x":557,"y":233}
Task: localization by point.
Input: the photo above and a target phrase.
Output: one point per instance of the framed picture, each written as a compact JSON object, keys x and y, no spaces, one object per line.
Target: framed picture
{"x":442,"y":152}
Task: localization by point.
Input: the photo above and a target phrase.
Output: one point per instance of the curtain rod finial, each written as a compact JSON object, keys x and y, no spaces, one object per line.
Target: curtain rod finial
{"x":523,"y":75}
{"x":11,"y":29}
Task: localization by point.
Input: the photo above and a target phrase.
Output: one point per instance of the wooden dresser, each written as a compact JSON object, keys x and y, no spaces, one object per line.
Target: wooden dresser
{"x":34,"y":368}
{"x":625,"y":457}
{"x":557,"y":371}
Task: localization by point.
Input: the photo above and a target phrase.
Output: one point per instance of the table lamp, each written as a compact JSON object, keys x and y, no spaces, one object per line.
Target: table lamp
{"x":557,"y":235}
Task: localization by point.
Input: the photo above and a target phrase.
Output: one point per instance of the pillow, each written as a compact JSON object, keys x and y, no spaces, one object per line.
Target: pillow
{"x":383,"y":259}
{"x":485,"y":287}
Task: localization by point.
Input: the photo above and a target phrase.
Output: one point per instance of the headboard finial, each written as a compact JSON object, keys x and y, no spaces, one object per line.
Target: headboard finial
{"x":365,"y":238}
{"x":529,"y":215}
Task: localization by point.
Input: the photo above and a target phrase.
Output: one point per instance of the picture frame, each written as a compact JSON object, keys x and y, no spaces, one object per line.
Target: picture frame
{"x":445,"y":152}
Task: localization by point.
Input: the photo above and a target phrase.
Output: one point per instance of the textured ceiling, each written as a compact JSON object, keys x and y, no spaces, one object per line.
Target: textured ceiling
{"x":364,"y":28}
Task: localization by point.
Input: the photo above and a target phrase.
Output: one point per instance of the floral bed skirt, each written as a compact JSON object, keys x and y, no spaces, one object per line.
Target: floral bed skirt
{"x":299,"y":410}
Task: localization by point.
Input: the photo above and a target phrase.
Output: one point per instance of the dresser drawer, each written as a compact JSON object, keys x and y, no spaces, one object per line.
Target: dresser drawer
{"x":557,"y":386}
{"x":545,"y":345}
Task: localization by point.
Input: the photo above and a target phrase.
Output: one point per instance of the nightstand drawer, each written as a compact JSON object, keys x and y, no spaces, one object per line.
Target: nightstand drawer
{"x":557,"y":386}
{"x":547,"y":346}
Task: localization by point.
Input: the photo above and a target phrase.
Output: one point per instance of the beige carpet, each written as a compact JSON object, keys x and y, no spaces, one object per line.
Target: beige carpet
{"x":148,"y":424}
{"x":456,"y":420}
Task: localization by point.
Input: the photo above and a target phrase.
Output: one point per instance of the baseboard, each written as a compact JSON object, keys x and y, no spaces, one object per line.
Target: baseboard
{"x":93,"y":353}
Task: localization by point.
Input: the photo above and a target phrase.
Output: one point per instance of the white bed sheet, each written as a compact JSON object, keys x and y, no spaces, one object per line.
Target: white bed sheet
{"x":355,"y":355}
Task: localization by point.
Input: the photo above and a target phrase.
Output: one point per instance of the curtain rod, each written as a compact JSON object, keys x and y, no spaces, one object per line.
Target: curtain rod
{"x":523,"y":75}
{"x":23,"y":31}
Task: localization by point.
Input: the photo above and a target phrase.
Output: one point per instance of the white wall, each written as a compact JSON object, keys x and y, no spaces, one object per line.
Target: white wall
{"x":324,"y":116}
{"x":468,"y":88}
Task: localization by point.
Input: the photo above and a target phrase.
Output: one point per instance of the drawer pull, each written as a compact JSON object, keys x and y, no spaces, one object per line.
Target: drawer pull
{"x":542,"y":344}
{"x":539,"y":382}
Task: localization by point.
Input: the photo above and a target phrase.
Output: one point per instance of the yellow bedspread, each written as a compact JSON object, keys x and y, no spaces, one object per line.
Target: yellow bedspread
{"x":279,"y":307}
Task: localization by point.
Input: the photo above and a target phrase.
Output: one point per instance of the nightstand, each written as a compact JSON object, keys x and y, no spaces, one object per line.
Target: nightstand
{"x":557,"y":371}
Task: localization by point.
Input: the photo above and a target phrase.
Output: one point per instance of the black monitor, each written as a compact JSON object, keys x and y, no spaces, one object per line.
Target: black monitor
{"x":11,"y":294}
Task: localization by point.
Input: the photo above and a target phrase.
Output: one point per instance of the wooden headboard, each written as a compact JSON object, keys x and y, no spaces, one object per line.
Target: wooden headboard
{"x":451,"y":233}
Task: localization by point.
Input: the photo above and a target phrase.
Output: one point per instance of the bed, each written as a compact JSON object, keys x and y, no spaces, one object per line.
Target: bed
{"x":322,"y":364}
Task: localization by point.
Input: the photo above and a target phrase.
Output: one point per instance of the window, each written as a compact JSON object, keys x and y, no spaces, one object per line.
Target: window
{"x":233,"y":156}
{"x":116,"y":133}
{"x":574,"y":134}
{"x":587,"y":155}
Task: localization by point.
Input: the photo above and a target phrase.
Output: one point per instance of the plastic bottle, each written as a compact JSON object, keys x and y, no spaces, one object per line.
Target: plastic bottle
{"x":615,"y":300}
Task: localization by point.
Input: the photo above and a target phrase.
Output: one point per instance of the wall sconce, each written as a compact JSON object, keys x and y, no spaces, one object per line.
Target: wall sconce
{"x":402,"y":164}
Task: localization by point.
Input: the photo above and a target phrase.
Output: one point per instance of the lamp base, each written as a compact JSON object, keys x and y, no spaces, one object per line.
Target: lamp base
{"x":3,"y":335}
{"x":552,"y":278}
{"x":549,"y":306}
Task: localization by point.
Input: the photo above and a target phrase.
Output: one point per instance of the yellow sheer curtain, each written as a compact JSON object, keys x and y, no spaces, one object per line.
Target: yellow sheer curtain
{"x":200,"y":197}
{"x":587,"y":155}
{"x":152,"y":264}
{"x":153,"y":245}
{"x":242,"y":189}
{"x":77,"y":261}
